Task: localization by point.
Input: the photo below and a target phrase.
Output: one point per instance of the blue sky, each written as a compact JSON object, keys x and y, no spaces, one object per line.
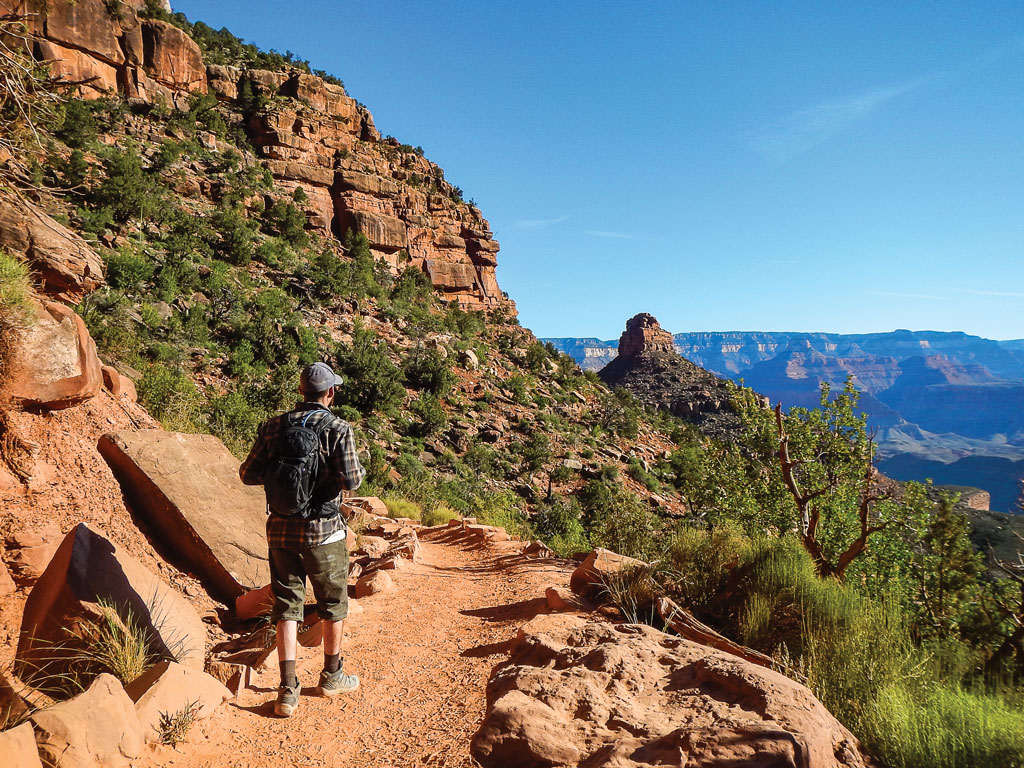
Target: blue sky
{"x":843,"y":167}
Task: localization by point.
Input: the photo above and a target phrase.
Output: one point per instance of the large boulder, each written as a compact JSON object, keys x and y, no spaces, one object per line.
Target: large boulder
{"x":89,"y":569}
{"x":58,"y":365}
{"x":96,"y":729}
{"x":67,"y":266}
{"x":595,"y":694}
{"x":169,"y":688}
{"x":187,"y":489}
{"x":590,"y":579}
{"x":31,"y":549}
{"x":18,"y":747}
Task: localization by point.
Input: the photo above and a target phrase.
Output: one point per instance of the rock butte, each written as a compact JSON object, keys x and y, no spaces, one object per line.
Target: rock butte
{"x":320,"y":140}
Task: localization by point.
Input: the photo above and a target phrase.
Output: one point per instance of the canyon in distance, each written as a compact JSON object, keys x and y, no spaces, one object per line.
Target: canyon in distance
{"x":944,"y":405}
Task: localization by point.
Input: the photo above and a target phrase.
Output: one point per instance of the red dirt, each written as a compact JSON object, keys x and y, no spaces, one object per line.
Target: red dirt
{"x":423,"y":652}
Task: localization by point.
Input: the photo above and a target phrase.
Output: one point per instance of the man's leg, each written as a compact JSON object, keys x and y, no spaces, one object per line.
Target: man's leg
{"x":334,"y":631}
{"x":288,"y":582}
{"x":327,"y":566}
{"x":287,"y":647}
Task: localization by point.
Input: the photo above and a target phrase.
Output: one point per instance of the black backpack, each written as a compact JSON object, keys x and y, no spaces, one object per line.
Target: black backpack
{"x":290,"y":480}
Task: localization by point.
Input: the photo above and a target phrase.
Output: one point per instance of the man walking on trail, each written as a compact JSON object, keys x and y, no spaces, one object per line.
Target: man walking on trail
{"x":304,"y":459}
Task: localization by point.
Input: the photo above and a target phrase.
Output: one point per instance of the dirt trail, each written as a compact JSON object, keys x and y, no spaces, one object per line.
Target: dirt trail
{"x":423,"y":653}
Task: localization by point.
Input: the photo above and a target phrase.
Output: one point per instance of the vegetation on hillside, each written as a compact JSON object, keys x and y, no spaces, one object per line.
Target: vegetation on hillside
{"x":218,"y":293}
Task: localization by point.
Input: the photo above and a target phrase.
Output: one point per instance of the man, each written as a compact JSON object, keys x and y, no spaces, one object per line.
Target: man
{"x":304,"y":459}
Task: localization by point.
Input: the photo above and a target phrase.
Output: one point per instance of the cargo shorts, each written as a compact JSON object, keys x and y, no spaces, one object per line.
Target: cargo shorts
{"x":326,"y":565}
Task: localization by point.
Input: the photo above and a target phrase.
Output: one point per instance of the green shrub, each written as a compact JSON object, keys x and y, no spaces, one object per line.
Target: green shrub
{"x":170,"y":397}
{"x":78,"y":128}
{"x":942,"y":727}
{"x":432,"y":418}
{"x":372,"y":380}
{"x":559,"y":525}
{"x":128,"y":270}
{"x":426,"y":370}
{"x":628,"y":527}
{"x":16,"y":312}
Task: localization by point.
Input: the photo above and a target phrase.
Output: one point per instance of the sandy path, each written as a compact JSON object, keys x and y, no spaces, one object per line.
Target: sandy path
{"x":423,"y":653}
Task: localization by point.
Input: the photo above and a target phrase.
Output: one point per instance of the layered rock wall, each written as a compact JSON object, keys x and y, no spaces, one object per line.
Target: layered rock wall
{"x":308,"y":132}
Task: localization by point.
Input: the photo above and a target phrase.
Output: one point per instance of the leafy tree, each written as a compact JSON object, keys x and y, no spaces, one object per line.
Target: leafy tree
{"x":425,"y":369}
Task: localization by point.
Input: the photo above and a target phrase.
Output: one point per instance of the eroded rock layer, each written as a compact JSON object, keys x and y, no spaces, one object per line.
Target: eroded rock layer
{"x":579,"y":693}
{"x":309,"y":132}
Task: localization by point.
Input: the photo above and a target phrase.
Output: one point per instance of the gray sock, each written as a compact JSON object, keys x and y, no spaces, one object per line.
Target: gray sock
{"x":332,"y":662}
{"x":288,"y":678}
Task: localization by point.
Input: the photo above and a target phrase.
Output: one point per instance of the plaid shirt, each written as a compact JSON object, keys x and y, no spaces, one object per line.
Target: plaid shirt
{"x":339,"y":469}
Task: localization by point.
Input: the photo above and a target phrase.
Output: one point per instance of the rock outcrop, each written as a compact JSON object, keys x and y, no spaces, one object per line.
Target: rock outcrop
{"x":68,"y":268}
{"x":96,"y":728}
{"x":58,"y":365}
{"x":309,"y":132}
{"x":650,"y":369}
{"x":187,"y":488}
{"x":169,"y":688}
{"x":89,"y":569}
{"x":578,"y":693}
{"x":18,"y":746}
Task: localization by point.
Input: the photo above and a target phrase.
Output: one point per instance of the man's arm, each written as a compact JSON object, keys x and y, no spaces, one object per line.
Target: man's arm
{"x":254,"y":467}
{"x":344,"y":461}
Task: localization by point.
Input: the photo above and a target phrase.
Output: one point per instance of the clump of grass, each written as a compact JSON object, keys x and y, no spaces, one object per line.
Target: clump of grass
{"x":120,"y":647}
{"x":632,"y":590}
{"x":943,"y":726}
{"x":439,"y":514}
{"x":15,"y":311}
{"x":401,"y":507}
{"x":174,"y":726}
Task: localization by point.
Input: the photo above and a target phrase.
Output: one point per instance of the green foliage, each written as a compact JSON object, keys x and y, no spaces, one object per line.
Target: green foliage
{"x":619,"y":413}
{"x":128,"y":270}
{"x":78,"y":126}
{"x":402,"y":507}
{"x":170,"y":397}
{"x":16,"y":311}
{"x":559,"y":525}
{"x":174,"y":726}
{"x":426,"y":370}
{"x":283,"y":219}
{"x":237,"y":235}
{"x":438,"y":514}
{"x":431,"y":416}
{"x":372,"y":381}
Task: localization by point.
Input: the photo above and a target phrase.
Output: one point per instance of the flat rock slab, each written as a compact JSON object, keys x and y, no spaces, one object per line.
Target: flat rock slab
{"x":187,"y":489}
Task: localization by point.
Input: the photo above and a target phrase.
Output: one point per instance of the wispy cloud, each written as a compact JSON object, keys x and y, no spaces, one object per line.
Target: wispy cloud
{"x":807,"y":128}
{"x":902,"y":295}
{"x":1002,"y":294}
{"x":605,"y":233}
{"x":538,"y":223}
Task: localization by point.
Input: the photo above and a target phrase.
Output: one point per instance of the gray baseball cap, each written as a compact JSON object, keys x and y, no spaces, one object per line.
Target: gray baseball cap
{"x":318,"y":377}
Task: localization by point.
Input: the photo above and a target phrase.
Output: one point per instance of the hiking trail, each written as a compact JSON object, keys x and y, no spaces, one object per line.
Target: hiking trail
{"x":423,"y":653}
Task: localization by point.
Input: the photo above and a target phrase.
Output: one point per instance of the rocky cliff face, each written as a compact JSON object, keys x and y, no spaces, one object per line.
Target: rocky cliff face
{"x":308,"y":132}
{"x":650,"y":369}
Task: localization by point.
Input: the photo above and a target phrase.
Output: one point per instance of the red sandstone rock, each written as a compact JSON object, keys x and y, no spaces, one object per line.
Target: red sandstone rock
{"x":67,"y":265}
{"x":172,"y":58}
{"x":86,"y":569}
{"x":170,"y":688}
{"x":187,"y":489}
{"x":255,"y":602}
{"x":96,"y":728}
{"x":373,"y":584}
{"x":84,"y":24}
{"x":18,"y":747}
{"x":590,"y":578}
{"x":579,"y":693}
{"x":59,"y":366}
{"x":12,"y":706}
{"x":374,"y":546}
{"x":644,"y":334}
{"x":7,"y":585}
{"x":32,"y":551}
{"x":118,"y":385}
{"x":75,"y":66}
{"x":370,"y":504}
